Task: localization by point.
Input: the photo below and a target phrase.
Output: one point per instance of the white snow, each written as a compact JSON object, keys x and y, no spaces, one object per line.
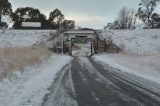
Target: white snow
{"x":28,"y":88}
{"x":139,"y":66}
{"x":140,"y":55}
{"x":62,"y":92}
{"x":23,"y":38}
{"x":29,"y":85}
{"x":136,"y":41}
{"x":82,"y":49}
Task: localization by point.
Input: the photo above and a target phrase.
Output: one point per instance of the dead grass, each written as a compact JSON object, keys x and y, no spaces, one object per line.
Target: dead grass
{"x":17,"y":58}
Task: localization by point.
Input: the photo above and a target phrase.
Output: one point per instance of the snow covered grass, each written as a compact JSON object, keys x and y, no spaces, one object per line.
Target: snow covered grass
{"x":16,"y":49}
{"x":146,"y":66}
{"x":136,"y":41}
{"x":12,"y":59}
{"x":140,"y":55}
{"x":24,"y":38}
{"x":53,"y":35}
{"x":30,"y":87}
{"x":27,"y":67}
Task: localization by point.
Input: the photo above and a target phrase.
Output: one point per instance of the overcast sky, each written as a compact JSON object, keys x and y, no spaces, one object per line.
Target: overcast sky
{"x":86,"y":13}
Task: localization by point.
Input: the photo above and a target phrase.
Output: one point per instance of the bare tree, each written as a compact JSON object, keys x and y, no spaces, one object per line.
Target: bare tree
{"x":126,"y":18}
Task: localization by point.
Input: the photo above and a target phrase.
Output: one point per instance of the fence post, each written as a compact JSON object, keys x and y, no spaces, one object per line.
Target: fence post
{"x":62,"y":45}
{"x":91,"y":48}
{"x":117,"y":50}
{"x":71,"y":47}
{"x":97,"y":45}
{"x":105,"y":44}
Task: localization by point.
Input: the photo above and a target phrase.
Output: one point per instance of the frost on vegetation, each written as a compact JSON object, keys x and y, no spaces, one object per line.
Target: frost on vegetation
{"x":136,"y":41}
{"x":24,"y":38}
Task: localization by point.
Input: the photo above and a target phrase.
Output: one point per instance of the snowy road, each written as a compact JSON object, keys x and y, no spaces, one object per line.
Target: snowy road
{"x":85,"y":82}
{"x":88,"y":82}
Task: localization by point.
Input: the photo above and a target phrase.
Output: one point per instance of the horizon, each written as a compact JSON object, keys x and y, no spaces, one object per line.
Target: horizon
{"x":92,"y":15}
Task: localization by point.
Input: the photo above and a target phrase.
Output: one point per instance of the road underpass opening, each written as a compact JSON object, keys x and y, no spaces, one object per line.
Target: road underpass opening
{"x":80,"y":40}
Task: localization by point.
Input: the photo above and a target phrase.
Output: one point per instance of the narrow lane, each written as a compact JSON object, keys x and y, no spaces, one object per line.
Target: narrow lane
{"x":96,"y":85}
{"x":83,"y":92}
{"x":86,"y":82}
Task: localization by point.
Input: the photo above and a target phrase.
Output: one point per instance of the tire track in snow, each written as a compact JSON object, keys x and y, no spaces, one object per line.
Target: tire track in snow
{"x":96,"y":90}
{"x":62,"y":91}
{"x":132,"y":85}
{"x":85,"y":82}
{"x":96,"y":85}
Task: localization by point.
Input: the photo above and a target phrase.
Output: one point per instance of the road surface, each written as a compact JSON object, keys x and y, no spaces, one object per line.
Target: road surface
{"x":99,"y":85}
{"x":87,"y":82}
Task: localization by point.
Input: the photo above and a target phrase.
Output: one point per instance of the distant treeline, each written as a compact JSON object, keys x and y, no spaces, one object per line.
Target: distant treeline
{"x":127,"y":18}
{"x":56,"y":19}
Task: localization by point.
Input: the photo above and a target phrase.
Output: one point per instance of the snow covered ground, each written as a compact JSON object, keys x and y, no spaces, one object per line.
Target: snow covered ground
{"x":23,"y":38}
{"x":21,"y":42}
{"x":82,"y":49}
{"x":30,"y":87}
{"x":140,"y":53}
{"x":143,"y":66}
{"x":136,"y":41}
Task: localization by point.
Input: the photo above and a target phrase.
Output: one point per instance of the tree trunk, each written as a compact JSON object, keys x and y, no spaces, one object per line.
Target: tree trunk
{"x":0,"y":17}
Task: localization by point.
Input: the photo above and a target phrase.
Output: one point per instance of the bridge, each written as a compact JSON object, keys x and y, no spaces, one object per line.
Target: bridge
{"x":98,"y":43}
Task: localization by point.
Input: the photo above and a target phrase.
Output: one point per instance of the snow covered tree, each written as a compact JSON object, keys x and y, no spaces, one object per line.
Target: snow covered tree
{"x":114,"y":25}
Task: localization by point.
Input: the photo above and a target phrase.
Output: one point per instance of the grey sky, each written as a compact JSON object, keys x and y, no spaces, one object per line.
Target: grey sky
{"x":86,"y":13}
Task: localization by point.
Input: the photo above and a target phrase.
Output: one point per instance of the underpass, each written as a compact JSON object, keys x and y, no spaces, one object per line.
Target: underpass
{"x":88,"y":82}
